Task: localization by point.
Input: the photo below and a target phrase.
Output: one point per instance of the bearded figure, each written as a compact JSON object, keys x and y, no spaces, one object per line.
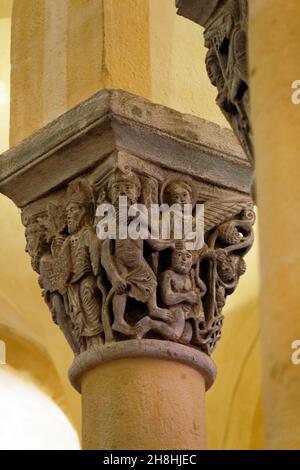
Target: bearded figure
{"x":82,"y":249}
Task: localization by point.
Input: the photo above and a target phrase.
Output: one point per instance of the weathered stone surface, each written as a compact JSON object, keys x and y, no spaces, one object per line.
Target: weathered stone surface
{"x":115,"y":120}
{"x":107,"y":292}
{"x":146,"y":348}
{"x":226,"y":24}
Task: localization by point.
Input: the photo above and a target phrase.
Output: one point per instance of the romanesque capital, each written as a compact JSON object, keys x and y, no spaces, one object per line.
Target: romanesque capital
{"x":121,"y":295}
{"x":226,"y":25}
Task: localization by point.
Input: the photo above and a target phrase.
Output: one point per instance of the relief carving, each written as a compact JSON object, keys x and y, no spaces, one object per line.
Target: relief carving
{"x":226,"y":25}
{"x":129,"y":272}
{"x":103,"y":291}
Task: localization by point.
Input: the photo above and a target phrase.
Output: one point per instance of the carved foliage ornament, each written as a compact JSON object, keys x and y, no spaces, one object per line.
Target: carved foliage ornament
{"x":103,"y":291}
{"x":226,"y":24}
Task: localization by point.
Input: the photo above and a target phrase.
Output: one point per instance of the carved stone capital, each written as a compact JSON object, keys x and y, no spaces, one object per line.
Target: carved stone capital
{"x":226,"y":25}
{"x":118,"y":297}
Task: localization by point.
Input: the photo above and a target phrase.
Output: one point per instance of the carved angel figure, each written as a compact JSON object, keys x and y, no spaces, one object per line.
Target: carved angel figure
{"x":181,"y":193}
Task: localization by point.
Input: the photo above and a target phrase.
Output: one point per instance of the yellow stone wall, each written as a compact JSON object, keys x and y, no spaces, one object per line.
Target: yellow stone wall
{"x":274,"y":50}
{"x":5,"y":25}
{"x":62,"y":52}
{"x":81,"y":46}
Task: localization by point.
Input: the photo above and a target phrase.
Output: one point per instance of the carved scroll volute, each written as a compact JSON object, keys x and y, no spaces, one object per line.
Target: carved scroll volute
{"x":226,"y":26}
{"x":103,"y":291}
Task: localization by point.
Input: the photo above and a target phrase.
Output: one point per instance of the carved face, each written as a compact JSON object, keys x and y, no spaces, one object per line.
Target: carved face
{"x":49,"y":232}
{"x":124,"y":188}
{"x":214,"y":70}
{"x":34,"y":235}
{"x":226,"y":269}
{"x":182,"y":261}
{"x":75,"y":216}
{"x":179,"y":193}
{"x":54,"y":221}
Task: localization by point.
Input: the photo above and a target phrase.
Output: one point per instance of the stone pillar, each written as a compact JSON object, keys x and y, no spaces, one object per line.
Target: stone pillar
{"x":142,"y":316}
{"x":274,"y":37}
{"x":273,"y":67}
{"x":145,"y":401}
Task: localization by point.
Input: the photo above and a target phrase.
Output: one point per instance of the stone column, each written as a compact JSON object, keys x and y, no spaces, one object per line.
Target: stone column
{"x":274,"y":38}
{"x":274,"y":66}
{"x":142,"y":316}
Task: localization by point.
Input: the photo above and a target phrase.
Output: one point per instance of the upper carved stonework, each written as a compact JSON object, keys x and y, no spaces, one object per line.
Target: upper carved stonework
{"x":226,"y":25}
{"x":132,"y":290}
{"x":101,"y":291}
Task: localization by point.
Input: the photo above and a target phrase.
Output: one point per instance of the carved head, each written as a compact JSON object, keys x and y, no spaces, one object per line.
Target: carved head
{"x":124,"y":183}
{"x":55,"y":222}
{"x":214,"y":70}
{"x":75,"y":216}
{"x":80,"y":205}
{"x":35,"y":236}
{"x":178,"y":192}
{"x":225,"y":267}
{"x":182,"y":261}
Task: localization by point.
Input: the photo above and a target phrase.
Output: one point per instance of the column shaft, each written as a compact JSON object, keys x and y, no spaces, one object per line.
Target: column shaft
{"x":143,"y":403}
{"x":274,"y":40}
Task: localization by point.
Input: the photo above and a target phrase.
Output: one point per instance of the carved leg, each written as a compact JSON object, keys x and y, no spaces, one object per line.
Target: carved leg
{"x":187,"y":334}
{"x":158,"y":312}
{"x":91,"y":308}
{"x":93,"y":341}
{"x":119,"y":305}
{"x":172,"y":331}
{"x":64,"y":322}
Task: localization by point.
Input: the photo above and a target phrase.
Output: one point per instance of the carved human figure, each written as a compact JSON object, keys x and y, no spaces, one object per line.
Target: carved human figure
{"x":227,"y":66}
{"x":124,"y":262}
{"x":35,"y":243}
{"x":181,"y":192}
{"x":181,"y":290}
{"x":81,"y":250}
{"x":178,"y":191}
{"x":54,"y":273}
